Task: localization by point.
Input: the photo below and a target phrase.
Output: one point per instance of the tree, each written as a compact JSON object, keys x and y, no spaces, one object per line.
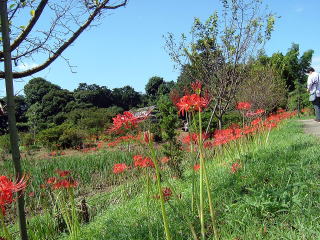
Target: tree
{"x":70,"y":19}
{"x":218,"y":49}
{"x":48,"y":41}
{"x":94,"y":95}
{"x":126,"y":97}
{"x":153,"y":85}
{"x":36,"y":89}
{"x":20,"y":109}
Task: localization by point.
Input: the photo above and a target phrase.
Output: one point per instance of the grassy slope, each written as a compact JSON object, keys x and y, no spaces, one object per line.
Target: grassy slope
{"x":274,"y":196}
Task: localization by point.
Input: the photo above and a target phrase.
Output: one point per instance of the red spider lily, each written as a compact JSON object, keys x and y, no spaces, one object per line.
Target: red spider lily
{"x":100,"y":145}
{"x":63,"y":173}
{"x":243,"y":106}
{"x":7,"y":188}
{"x":224,"y":136}
{"x":126,"y":120}
{"x":184,"y":104}
{"x":199,"y":103}
{"x":142,"y":162}
{"x":196,"y":167}
{"x":123,"y":139}
{"x":256,"y":121}
{"x":192,"y":103}
{"x":165,"y":159}
{"x":235,"y":167}
{"x":31,"y":194}
{"x":66,"y":184}
{"x":196,"y":86}
{"x":194,"y":138}
{"x":166,"y":193}
{"x":259,"y":111}
{"x":51,"y":180}
{"x":119,"y":168}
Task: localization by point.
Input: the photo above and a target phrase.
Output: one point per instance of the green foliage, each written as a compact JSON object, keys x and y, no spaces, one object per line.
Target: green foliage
{"x":299,"y":98}
{"x":5,"y":146}
{"x":263,"y":87}
{"x":36,"y":89}
{"x":168,"y":118}
{"x":93,"y":95}
{"x":153,"y":85}
{"x":50,"y":138}
{"x":93,"y":120}
{"x":20,"y":109}
{"x":126,"y":97}
{"x":72,"y":137}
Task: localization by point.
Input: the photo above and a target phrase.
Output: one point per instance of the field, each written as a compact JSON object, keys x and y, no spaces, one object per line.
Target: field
{"x":272,"y":194}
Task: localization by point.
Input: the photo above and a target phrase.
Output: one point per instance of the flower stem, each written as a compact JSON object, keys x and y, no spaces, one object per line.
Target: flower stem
{"x":201,"y":180}
{"x":162,"y":202}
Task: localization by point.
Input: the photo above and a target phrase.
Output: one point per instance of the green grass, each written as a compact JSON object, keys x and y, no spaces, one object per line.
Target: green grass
{"x":273,"y":196}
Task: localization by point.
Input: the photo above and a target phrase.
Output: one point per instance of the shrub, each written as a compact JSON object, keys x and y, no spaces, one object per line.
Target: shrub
{"x":5,"y":146}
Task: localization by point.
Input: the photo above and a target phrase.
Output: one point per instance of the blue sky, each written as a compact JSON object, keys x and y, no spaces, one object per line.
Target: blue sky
{"x":127,"y":47}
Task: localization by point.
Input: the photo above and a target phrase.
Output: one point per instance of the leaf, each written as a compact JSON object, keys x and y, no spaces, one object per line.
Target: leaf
{"x":22,"y":27}
{"x":32,"y":12}
{"x":12,"y":6}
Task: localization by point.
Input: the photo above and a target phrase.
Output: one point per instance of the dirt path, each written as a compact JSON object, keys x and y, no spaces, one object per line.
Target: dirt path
{"x":311,"y":127}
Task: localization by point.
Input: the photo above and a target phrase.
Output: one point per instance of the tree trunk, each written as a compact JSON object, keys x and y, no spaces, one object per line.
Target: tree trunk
{"x":14,"y":139}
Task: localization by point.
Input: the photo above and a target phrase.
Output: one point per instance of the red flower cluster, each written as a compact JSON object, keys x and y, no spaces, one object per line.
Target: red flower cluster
{"x":123,"y":139}
{"x":7,"y":188}
{"x":192,"y":103}
{"x":255,"y":113}
{"x":234,"y":132}
{"x":126,"y":120}
{"x":194,"y":138}
{"x":235,"y":167}
{"x":196,"y":86}
{"x":165,"y":159}
{"x":166,"y":193}
{"x":243,"y":106}
{"x":142,"y":162}
{"x":65,"y":182}
{"x":196,"y":167}
{"x":119,"y":168}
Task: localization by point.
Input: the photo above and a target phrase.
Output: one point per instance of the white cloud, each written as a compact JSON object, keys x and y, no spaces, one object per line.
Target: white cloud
{"x":26,"y":66}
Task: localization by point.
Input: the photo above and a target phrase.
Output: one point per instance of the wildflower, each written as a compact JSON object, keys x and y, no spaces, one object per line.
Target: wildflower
{"x":7,"y":188}
{"x":65,"y":183}
{"x":166,"y":192}
{"x":196,"y":167}
{"x":165,"y":159}
{"x":142,"y":162}
{"x":256,"y":121}
{"x":196,"y":86}
{"x":184,"y":104}
{"x":243,"y":106}
{"x":63,"y":173}
{"x":126,"y":120}
{"x":119,"y":168}
{"x":259,"y":111}
{"x":31,"y":194}
{"x":51,"y":180}
{"x":235,"y":167}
